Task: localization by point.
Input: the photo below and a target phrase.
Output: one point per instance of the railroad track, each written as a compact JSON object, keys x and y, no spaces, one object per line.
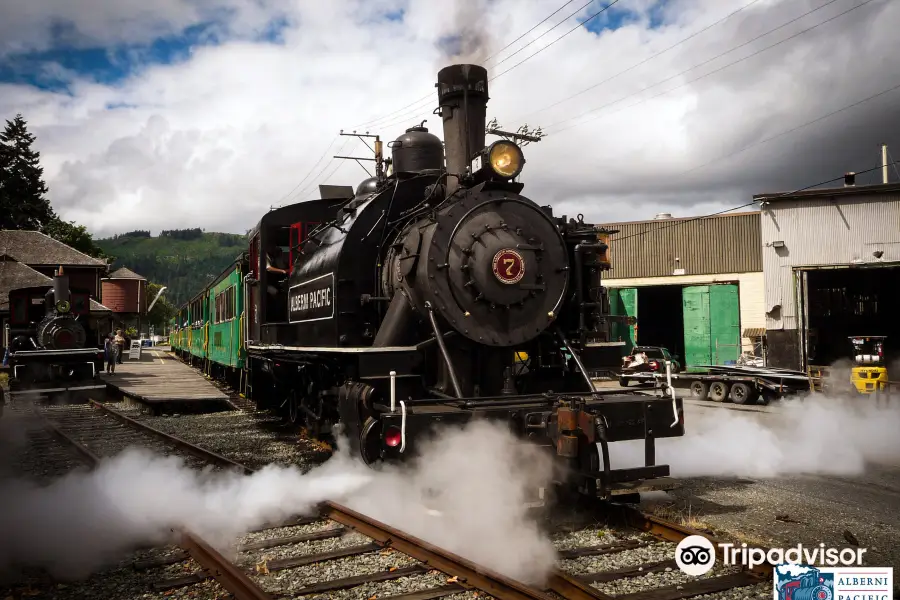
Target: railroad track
{"x":342,"y":553}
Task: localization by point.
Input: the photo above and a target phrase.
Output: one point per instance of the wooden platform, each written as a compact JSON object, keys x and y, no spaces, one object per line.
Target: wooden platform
{"x":159,"y":377}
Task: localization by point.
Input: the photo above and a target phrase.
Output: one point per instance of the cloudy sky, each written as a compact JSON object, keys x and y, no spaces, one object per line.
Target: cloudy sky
{"x":204,"y":113}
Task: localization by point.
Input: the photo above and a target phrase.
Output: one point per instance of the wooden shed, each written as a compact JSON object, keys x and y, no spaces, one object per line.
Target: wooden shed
{"x":125,"y":292}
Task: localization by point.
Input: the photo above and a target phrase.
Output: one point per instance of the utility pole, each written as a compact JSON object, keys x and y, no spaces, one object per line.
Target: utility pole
{"x":884,"y":163}
{"x":378,"y":160}
{"x":523,"y":134}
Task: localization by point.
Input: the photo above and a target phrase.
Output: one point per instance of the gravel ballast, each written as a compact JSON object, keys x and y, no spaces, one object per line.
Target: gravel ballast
{"x":257,"y":439}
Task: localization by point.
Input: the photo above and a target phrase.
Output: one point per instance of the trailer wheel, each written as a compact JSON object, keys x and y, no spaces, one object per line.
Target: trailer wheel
{"x":700,"y":390}
{"x":623,"y":382}
{"x":718,"y":391}
{"x":765,"y":397}
{"x":741,"y":393}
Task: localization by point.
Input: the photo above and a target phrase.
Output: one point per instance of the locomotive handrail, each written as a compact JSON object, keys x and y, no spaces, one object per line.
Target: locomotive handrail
{"x":241,"y":331}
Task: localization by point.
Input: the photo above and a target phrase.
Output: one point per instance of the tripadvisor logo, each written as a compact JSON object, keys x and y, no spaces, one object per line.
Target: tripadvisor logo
{"x":695,"y":555}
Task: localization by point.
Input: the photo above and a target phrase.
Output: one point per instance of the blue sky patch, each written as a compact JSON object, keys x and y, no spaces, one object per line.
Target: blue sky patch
{"x":395,"y":15}
{"x":619,"y":16}
{"x":54,"y":69}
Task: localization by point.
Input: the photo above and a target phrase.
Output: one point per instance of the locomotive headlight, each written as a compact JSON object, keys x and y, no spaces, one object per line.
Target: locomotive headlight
{"x":63,"y":306}
{"x":506,"y":159}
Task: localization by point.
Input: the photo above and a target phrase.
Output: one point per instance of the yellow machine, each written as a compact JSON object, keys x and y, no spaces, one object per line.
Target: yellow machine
{"x":868,"y":372}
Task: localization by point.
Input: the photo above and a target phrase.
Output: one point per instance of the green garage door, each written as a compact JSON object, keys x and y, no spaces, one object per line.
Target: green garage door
{"x":623,"y":302}
{"x":712,"y":324}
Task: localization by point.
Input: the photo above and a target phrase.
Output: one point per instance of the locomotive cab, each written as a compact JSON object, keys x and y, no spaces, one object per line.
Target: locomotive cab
{"x":284,"y":229}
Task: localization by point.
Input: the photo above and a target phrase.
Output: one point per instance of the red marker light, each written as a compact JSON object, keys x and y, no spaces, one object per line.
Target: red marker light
{"x":392,"y":437}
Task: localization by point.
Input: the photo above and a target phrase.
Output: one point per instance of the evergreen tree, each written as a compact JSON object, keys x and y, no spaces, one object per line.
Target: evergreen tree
{"x":22,"y":189}
{"x":23,"y":204}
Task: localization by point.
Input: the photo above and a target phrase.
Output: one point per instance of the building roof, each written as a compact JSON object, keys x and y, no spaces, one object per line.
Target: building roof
{"x":669,"y":219}
{"x":125,"y":273}
{"x":817,"y":194}
{"x":97,"y":307}
{"x":15,"y":275}
{"x":36,"y":248}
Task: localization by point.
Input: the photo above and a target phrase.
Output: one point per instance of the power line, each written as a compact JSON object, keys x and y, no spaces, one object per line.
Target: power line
{"x":783,"y":133}
{"x":896,"y":87}
{"x":896,"y":170}
{"x":634,"y":66}
{"x":580,"y":24}
{"x":394,"y":114}
{"x":580,"y":8}
{"x":769,"y":47}
{"x":338,"y":164}
{"x":306,"y":188}
{"x":533,"y":28}
{"x":692,"y":219}
{"x":311,"y":169}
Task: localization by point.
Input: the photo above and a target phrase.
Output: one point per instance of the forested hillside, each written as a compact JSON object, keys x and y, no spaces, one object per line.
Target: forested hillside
{"x":183,"y":260}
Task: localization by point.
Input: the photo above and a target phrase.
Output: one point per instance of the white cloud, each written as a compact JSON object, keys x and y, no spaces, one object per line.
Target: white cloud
{"x":215,"y":140}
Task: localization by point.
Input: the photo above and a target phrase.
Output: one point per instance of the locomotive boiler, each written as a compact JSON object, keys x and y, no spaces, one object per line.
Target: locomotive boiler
{"x":438,"y":294}
{"x":49,"y":349}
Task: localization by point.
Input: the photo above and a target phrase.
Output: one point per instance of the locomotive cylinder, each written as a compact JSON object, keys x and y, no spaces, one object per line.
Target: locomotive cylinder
{"x":463,"y":98}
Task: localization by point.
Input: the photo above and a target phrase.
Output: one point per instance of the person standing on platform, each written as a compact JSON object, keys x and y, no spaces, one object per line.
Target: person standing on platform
{"x":120,"y":345}
{"x":112,"y":353}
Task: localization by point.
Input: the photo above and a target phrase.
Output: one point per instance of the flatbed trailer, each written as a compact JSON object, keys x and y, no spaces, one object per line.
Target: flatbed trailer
{"x":740,"y":384}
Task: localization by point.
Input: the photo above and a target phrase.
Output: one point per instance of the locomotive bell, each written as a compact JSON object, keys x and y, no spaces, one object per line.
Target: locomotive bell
{"x":417,"y":150}
{"x":367,"y":186}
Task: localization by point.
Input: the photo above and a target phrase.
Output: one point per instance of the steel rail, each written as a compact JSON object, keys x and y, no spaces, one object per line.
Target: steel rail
{"x":674,"y":532}
{"x":217,"y":566}
{"x":468,"y":573}
{"x":174,"y":440}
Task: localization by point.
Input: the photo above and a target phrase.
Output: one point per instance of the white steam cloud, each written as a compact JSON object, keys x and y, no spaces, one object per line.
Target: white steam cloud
{"x":86,"y":520}
{"x":465,"y":494}
{"x":815,"y":434}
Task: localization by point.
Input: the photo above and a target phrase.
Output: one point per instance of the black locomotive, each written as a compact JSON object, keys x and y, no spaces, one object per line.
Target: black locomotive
{"x":440,"y":293}
{"x":49,"y":350}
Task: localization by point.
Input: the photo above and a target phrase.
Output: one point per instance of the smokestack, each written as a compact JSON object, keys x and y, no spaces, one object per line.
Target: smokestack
{"x":849,"y":179}
{"x":60,"y":287}
{"x":462,"y":97}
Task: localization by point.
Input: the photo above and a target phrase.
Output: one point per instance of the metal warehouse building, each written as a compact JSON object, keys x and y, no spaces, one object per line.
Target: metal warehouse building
{"x":694,"y":285}
{"x":831,"y":259}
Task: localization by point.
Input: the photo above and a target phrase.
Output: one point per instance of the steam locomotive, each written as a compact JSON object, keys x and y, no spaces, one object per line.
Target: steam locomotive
{"x":49,"y":353}
{"x":812,"y":585}
{"x":432,"y":296}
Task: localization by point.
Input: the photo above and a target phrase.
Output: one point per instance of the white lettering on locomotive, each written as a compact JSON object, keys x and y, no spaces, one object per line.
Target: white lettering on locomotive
{"x":310,"y":300}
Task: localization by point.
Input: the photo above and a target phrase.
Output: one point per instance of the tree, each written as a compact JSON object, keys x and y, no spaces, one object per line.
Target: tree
{"x":76,"y":236}
{"x":23,"y":204}
{"x":22,"y":189}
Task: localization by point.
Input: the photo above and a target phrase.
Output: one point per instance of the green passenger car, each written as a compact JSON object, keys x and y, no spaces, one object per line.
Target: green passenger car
{"x":225,"y":309}
{"x":198,"y":316}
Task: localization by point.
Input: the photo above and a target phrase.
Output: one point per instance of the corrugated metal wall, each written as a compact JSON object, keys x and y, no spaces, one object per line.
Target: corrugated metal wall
{"x":722,"y":244}
{"x":837,"y":230}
